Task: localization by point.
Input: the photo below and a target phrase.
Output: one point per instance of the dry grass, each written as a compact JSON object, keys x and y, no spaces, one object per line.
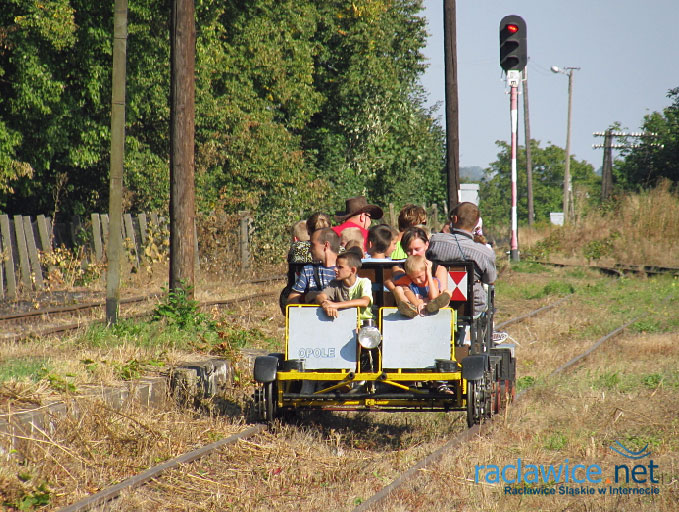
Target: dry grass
{"x":576,"y":417}
{"x":638,"y":229}
{"x":99,"y":447}
{"x":333,"y":461}
{"x":329,"y":464}
{"x":92,"y":357}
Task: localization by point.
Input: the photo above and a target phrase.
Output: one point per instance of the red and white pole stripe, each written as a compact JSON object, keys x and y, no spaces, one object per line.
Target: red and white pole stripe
{"x":514,"y":246}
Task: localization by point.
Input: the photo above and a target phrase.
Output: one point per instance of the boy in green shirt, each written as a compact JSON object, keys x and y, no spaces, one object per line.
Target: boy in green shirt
{"x":347,"y":290}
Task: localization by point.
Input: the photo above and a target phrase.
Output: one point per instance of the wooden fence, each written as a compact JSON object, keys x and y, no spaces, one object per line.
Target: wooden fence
{"x":23,"y":239}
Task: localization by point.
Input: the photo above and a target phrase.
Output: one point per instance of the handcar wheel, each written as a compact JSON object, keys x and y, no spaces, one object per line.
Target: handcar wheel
{"x":269,"y":401}
{"x":473,"y":403}
{"x":487,"y":411}
{"x":497,"y":397}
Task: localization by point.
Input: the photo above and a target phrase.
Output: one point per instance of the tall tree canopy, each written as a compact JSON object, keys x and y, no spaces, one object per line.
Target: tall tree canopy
{"x":647,"y":164}
{"x":298,"y":105}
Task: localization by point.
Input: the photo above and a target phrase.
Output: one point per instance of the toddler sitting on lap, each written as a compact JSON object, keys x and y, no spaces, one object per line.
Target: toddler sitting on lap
{"x":418,"y":290}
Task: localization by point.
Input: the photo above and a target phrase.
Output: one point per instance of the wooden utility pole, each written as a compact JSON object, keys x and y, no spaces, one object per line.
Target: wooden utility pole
{"x":609,"y":145}
{"x":607,"y":168}
{"x":529,"y":161}
{"x":452,"y":112}
{"x":182,"y":130}
{"x":114,"y":247}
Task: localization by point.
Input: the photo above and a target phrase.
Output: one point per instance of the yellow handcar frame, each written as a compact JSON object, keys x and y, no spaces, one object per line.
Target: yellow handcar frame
{"x":378,"y":388}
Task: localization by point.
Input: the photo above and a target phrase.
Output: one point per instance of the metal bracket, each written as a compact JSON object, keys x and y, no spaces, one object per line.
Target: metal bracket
{"x":513,"y":78}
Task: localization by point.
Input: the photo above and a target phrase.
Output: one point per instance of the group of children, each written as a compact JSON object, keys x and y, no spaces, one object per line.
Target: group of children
{"x":418,"y":287}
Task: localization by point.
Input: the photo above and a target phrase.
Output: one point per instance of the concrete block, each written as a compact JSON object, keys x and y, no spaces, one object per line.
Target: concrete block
{"x":204,"y":379}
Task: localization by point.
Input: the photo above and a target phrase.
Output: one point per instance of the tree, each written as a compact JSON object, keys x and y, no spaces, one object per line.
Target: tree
{"x":57,"y":55}
{"x":29,"y":93}
{"x":645,"y":165}
{"x":548,"y":170}
{"x":299,"y":105}
{"x":372,"y":134}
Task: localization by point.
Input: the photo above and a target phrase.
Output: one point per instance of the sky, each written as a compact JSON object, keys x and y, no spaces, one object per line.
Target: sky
{"x":627,"y":51}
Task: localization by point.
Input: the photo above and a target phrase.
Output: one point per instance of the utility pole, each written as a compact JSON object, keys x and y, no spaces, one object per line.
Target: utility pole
{"x":452,"y":112}
{"x":608,"y":146}
{"x":529,"y":161}
{"x":182,"y":131}
{"x":607,"y":168}
{"x":567,"y":165}
{"x":114,"y":247}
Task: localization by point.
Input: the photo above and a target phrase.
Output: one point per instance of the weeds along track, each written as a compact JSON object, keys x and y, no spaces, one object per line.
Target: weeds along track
{"x":321,"y":446}
{"x":60,"y":320}
{"x":415,"y":471}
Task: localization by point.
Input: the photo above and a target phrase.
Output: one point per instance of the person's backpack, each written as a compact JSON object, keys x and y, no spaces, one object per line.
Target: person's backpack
{"x":292,"y":277}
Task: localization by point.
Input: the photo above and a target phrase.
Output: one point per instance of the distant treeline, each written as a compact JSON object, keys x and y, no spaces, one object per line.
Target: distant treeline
{"x":299,"y":105}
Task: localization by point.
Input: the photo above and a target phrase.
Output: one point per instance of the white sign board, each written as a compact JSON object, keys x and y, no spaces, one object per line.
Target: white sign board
{"x":415,"y":342}
{"x":469,"y":193}
{"x":556,"y":218}
{"x":322,"y":342}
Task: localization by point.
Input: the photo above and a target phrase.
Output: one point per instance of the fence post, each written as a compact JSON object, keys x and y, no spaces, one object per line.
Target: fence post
{"x":33,"y":252}
{"x":244,"y":238}
{"x":23,"y":251}
{"x":435,"y":218}
{"x":96,"y":235}
{"x":129,"y":232}
{"x":45,"y":234}
{"x":10,"y":272}
{"x":143,"y":229}
{"x":104,"y":231}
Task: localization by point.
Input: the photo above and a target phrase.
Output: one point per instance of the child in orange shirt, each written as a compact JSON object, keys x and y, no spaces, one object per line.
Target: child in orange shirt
{"x":418,"y":290}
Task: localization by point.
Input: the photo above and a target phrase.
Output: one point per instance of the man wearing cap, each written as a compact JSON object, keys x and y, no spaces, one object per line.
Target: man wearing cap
{"x":358,"y":214}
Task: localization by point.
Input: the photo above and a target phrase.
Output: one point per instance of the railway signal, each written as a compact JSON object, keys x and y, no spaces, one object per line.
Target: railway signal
{"x":513,"y":53}
{"x":513,"y":58}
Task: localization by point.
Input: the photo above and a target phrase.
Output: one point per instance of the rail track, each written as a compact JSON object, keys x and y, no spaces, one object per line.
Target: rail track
{"x":251,"y":433}
{"x":618,"y":270}
{"x":414,"y":471}
{"x":40,"y":322}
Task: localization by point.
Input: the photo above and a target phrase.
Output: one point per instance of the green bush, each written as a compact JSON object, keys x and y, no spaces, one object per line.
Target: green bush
{"x":178,"y":309}
{"x":525,"y":382}
{"x":542,"y":249}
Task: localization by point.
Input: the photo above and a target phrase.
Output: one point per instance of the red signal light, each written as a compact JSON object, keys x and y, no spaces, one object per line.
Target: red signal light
{"x":512,"y":28}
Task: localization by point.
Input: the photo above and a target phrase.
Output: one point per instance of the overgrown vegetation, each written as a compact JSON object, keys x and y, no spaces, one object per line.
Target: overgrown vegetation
{"x":298,"y":106}
{"x":636,"y":229}
{"x":179,"y":310}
